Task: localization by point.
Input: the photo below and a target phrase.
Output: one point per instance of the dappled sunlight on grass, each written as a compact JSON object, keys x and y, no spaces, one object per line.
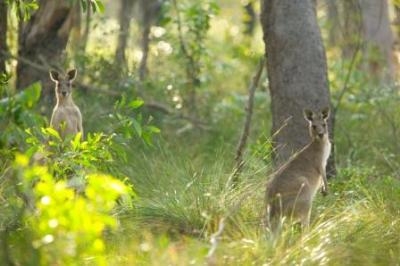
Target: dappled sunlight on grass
{"x":343,"y":229}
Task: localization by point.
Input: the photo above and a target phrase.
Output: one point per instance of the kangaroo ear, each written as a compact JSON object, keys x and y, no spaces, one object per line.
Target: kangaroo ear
{"x":308,"y":115}
{"x":71,"y":74}
{"x":325,"y":113}
{"x":54,"y":75}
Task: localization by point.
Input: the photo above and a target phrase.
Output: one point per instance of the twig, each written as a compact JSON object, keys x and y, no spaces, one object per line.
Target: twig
{"x":214,"y":239}
{"x":182,"y":43}
{"x":247,"y":123}
{"x":214,"y":242}
{"x":192,"y":69}
{"x":352,"y":64}
{"x":239,"y":164}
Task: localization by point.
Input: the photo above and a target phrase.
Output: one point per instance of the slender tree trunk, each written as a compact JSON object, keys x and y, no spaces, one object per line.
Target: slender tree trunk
{"x":250,"y":18}
{"x":76,"y":31}
{"x":86,"y":32}
{"x":379,"y":39}
{"x":145,"y":43}
{"x":3,"y":35}
{"x":42,"y":40}
{"x":297,"y":72}
{"x":151,"y":10}
{"x":352,"y":27}
{"x":396,"y":21}
{"x":334,"y":23}
{"x":124,"y":27}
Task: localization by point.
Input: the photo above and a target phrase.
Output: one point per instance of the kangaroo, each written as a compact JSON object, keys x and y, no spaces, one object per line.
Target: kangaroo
{"x":291,"y":190}
{"x":66,"y":117}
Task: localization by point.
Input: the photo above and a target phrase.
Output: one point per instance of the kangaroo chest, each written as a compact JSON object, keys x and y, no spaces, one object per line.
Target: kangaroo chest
{"x":325,"y":153}
{"x":66,"y":119}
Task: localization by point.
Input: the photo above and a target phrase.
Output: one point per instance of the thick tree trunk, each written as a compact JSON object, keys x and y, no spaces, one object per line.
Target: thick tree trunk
{"x":379,"y":39}
{"x":3,"y":35}
{"x":297,"y":72}
{"x":42,"y":40}
{"x":125,"y":14}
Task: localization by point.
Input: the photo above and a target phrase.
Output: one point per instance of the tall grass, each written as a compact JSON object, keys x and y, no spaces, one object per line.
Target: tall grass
{"x":182,"y":196}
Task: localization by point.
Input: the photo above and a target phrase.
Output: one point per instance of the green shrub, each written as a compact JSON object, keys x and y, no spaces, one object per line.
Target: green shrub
{"x":67,"y":227}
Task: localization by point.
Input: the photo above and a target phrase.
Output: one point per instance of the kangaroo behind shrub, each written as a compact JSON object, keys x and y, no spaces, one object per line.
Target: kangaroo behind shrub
{"x":292,"y":189}
{"x":66,"y":117}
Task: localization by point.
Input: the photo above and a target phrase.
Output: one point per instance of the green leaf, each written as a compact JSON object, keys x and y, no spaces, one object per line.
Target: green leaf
{"x":52,"y":132}
{"x":97,"y":6}
{"x":153,"y":129}
{"x":164,"y":21}
{"x":136,"y":103}
{"x":137,"y":127}
{"x":76,"y":141}
{"x":84,"y":5}
{"x":147,"y":139}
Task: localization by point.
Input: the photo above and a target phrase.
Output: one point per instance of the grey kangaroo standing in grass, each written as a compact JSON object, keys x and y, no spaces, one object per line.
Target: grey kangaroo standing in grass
{"x":292,"y":189}
{"x":66,"y":117}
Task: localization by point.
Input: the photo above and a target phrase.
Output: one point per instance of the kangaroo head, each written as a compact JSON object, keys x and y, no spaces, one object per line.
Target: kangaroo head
{"x":317,"y":122}
{"x":63,"y":83}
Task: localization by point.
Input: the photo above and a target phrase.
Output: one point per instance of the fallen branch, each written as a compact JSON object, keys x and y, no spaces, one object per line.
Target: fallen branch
{"x":163,"y":108}
{"x":45,"y":69}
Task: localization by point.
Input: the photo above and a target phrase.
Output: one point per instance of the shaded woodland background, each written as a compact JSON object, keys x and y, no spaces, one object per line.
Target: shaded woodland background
{"x":163,"y":87}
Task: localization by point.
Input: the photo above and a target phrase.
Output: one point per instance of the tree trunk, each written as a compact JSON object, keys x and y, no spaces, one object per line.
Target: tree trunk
{"x":379,"y":39}
{"x":352,"y":27}
{"x":150,"y":10}
{"x":250,"y":17}
{"x":75,"y":39}
{"x":297,"y":72}
{"x":86,"y":32}
{"x":3,"y":35}
{"x":42,"y":40}
{"x":332,"y":11}
{"x":396,"y":22}
{"x":125,"y":14}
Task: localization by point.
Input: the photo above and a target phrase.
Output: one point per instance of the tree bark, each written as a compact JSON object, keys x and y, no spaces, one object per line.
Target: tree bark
{"x":42,"y":40}
{"x":297,"y":72}
{"x":3,"y":35}
{"x":379,"y":39}
{"x":125,"y":14}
